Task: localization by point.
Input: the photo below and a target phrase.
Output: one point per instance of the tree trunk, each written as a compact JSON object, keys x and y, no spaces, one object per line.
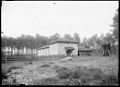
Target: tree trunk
{"x":26,"y":50}
{"x":32,"y":51}
{"x":18,"y":52}
{"x":12,"y":50}
{"x":22,"y":51}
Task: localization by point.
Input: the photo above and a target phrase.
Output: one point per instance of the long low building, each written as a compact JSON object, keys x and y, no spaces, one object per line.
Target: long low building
{"x":59,"y":47}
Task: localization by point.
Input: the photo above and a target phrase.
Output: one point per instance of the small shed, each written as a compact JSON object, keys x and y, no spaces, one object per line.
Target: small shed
{"x":85,"y":51}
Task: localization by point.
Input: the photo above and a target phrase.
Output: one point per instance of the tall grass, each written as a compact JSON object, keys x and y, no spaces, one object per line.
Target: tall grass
{"x":85,"y":76}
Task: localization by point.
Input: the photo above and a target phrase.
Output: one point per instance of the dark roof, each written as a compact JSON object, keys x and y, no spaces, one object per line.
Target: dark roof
{"x":84,"y":49}
{"x":59,"y":41}
{"x":69,"y":48}
{"x":63,"y":41}
{"x":43,"y":47}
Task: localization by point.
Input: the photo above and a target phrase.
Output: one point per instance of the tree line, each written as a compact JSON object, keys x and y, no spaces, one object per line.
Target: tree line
{"x":32,"y":42}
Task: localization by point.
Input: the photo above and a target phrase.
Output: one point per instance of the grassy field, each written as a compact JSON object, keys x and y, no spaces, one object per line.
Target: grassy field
{"x":47,"y":71}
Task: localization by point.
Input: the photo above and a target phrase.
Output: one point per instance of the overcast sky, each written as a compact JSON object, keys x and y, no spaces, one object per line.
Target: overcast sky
{"x":48,"y":17}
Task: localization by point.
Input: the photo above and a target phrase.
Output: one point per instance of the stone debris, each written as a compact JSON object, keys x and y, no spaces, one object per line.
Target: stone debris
{"x":66,"y":59}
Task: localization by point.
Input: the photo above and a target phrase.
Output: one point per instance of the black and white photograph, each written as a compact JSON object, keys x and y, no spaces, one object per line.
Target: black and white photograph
{"x":60,"y":43}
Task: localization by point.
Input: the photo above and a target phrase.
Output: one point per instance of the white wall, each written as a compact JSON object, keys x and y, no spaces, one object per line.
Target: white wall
{"x":43,"y":52}
{"x":47,"y":50}
{"x":58,"y":49}
{"x":39,"y":53}
{"x":63,"y":45}
{"x":53,"y":49}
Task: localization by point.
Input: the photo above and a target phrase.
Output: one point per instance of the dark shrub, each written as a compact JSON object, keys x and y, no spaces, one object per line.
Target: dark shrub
{"x":76,"y":74}
{"x":97,"y":76}
{"x":75,"y":82}
{"x":94,"y":82}
{"x":96,"y":73}
{"x":49,"y":81}
{"x":64,"y":81}
{"x":56,"y":67}
{"x":85,"y":76}
{"x":109,"y":79}
{"x":45,"y":65}
{"x":11,"y":68}
{"x":5,"y":82}
{"x":70,"y":82}
{"x":63,"y":73}
{"x":4,"y":76}
{"x":85,"y":79}
{"x":9,"y":81}
{"x":79,"y":71}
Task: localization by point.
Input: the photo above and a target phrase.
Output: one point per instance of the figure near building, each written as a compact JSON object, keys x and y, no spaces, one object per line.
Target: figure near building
{"x":106,"y":46}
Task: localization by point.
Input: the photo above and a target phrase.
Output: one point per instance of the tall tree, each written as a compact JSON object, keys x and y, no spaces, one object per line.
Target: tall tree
{"x":85,"y":42}
{"x":68,"y":36}
{"x":115,"y":26}
{"x":55,"y":37}
{"x":109,"y":38}
{"x":37,"y":41}
{"x":4,"y":41}
{"x":102,"y":36}
{"x":44,"y":40}
{"x":76,"y":38}
{"x":95,"y":41}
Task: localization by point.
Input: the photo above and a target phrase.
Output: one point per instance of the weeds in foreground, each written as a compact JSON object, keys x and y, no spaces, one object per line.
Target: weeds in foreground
{"x":84,"y":76}
{"x":15,"y":67}
{"x":63,"y":73}
{"x":45,"y":65}
{"x":78,"y":76}
{"x":47,"y":81}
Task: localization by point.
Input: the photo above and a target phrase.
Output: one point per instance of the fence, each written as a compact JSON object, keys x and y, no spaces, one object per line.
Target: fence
{"x":18,"y":58}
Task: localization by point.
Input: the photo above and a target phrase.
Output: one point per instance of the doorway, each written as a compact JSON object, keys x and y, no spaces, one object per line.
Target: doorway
{"x":69,"y":51}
